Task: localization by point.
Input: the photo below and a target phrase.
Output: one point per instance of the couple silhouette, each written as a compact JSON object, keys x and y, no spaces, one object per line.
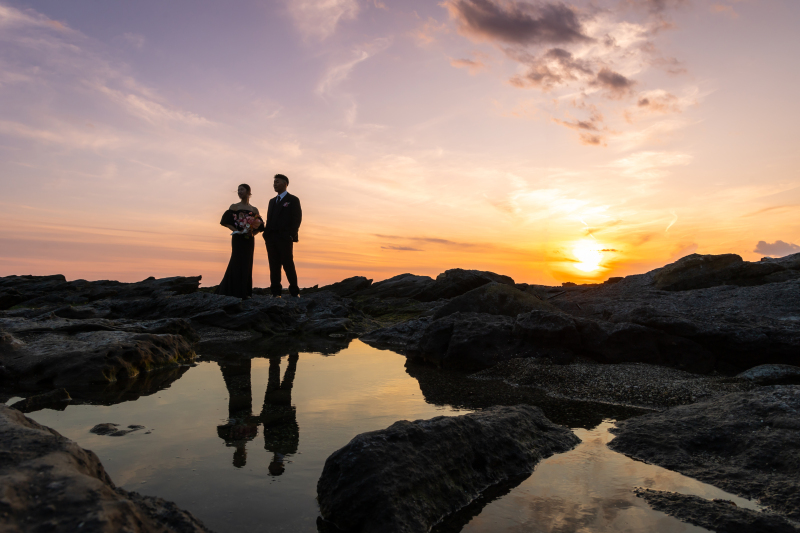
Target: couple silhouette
{"x":280,"y":231}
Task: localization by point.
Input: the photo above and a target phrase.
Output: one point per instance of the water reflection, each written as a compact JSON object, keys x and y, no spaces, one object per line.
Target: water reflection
{"x":278,"y":416}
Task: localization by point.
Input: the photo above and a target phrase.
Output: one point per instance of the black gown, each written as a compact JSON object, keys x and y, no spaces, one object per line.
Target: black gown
{"x":238,"y":280}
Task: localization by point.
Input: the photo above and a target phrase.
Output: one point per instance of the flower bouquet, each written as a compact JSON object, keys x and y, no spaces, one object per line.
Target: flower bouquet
{"x":245,"y":223}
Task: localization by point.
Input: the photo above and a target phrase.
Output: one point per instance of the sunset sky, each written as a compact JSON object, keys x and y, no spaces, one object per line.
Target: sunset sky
{"x":547,"y":141}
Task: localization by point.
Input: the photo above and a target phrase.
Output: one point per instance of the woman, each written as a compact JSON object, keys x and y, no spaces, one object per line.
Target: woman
{"x":244,"y":221}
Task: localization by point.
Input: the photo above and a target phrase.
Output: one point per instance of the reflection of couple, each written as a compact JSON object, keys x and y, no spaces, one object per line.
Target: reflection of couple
{"x":280,"y":233}
{"x":281,"y":432}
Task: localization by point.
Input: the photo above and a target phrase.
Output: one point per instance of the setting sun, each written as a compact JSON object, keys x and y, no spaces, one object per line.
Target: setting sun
{"x":589,"y":254}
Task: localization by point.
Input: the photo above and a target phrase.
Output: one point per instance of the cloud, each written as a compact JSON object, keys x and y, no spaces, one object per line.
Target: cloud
{"x":134,"y":39}
{"x":516,"y":22}
{"x":472,"y":65}
{"x":776,"y":249}
{"x":318,"y":18}
{"x":649,"y":165}
{"x":613,"y":83}
{"x":338,"y":73}
{"x":657,"y":6}
{"x":553,"y":68}
{"x":402,"y":248}
{"x":723,"y":9}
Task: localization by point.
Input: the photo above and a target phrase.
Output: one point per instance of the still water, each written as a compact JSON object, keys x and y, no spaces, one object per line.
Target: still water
{"x":241,"y":445}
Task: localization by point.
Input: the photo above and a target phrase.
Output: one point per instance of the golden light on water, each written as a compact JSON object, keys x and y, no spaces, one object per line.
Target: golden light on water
{"x":589,"y":254}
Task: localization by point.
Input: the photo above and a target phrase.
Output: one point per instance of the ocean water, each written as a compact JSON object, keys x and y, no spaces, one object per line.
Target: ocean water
{"x":241,"y":445}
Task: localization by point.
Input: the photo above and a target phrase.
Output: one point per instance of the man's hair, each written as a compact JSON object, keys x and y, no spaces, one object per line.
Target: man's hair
{"x":282,"y":177}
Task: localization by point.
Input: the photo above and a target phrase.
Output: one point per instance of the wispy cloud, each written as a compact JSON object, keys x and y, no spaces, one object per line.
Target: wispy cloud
{"x":339,"y":72}
{"x":318,"y":19}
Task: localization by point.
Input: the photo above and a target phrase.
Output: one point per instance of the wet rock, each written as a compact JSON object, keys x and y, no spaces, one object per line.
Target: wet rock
{"x":747,"y":443}
{"x":327,"y":326}
{"x":49,"y":483}
{"x":60,"y":357}
{"x":495,"y":299}
{"x":459,"y":340}
{"x":410,"y":476}
{"x":113,"y":430}
{"x":632,"y":384}
{"x":715,"y":515}
{"x":772,"y":375}
{"x":55,"y":399}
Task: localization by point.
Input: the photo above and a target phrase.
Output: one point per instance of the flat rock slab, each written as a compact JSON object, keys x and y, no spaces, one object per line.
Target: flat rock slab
{"x":722,"y":516}
{"x":410,"y":476}
{"x":747,"y":443}
{"x":49,"y":483}
{"x":634,"y":384}
{"x":74,"y":353}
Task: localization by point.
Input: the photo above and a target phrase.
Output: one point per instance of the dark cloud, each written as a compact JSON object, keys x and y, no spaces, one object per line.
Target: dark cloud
{"x":402,"y":248}
{"x":588,"y":129}
{"x":609,"y":250}
{"x":659,"y":103}
{"x":776,"y":249}
{"x":613,"y":83}
{"x":656,"y":6}
{"x":431,"y":240}
{"x":517,"y":22}
{"x":555,"y":67}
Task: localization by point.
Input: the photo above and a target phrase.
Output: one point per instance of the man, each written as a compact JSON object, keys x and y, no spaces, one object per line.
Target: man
{"x":280,"y":233}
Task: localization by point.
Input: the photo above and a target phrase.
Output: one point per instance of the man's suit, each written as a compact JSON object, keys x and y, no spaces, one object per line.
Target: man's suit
{"x":280,"y":234}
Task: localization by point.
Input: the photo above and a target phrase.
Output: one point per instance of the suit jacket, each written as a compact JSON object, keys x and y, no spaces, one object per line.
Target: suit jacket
{"x":283,"y":219}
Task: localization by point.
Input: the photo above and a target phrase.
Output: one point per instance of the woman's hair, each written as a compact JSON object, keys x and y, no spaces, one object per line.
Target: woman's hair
{"x":247,"y":187}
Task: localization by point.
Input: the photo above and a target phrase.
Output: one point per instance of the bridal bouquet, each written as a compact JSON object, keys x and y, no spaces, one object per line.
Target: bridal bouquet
{"x":245,"y":223}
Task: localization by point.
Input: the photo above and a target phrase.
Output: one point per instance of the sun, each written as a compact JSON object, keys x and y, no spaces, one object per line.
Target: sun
{"x":589,"y":254}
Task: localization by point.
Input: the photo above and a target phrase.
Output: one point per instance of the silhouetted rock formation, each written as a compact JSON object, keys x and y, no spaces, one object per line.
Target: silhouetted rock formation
{"x":727,"y":327}
{"x":747,"y":443}
{"x":410,"y":476}
{"x":49,"y":483}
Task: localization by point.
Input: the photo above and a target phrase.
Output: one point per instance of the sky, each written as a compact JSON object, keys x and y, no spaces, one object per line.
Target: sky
{"x":548,"y":141}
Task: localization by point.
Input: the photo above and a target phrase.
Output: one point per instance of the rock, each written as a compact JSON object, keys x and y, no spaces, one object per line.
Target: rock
{"x":772,"y":375}
{"x":461,"y":340}
{"x":629,"y":384}
{"x":495,"y":299}
{"x":401,"y":286}
{"x":747,"y":443}
{"x":410,"y":476}
{"x":702,"y":271}
{"x":37,"y":291}
{"x":9,"y":298}
{"x":695,"y":271}
{"x":326,"y":326}
{"x":791,"y":262}
{"x":55,"y":399}
{"x":57,"y":357}
{"x":457,"y":281}
{"x":49,"y":483}
{"x":346,"y":287}
{"x":715,"y":515}
{"x":112,"y":430}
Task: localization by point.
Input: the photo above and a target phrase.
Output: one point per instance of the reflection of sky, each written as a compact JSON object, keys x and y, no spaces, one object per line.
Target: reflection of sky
{"x":337,"y":397}
{"x":419,"y":135}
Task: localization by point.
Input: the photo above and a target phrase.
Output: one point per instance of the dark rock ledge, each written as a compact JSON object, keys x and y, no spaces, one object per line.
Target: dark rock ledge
{"x":49,"y":483}
{"x":410,"y":476}
{"x":746,"y":443}
{"x":722,"y":516}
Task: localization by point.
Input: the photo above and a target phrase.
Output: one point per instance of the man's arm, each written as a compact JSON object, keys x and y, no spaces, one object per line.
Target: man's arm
{"x":296,"y":219}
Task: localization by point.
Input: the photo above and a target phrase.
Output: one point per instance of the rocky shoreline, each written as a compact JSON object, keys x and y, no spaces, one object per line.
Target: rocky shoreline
{"x":703,"y":333}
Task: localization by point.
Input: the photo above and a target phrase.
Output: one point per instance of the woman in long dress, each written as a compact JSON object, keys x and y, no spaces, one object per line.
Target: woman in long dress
{"x":244,"y":221}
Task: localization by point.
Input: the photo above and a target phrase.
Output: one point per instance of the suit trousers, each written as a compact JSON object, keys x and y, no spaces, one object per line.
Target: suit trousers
{"x":280,"y":255}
